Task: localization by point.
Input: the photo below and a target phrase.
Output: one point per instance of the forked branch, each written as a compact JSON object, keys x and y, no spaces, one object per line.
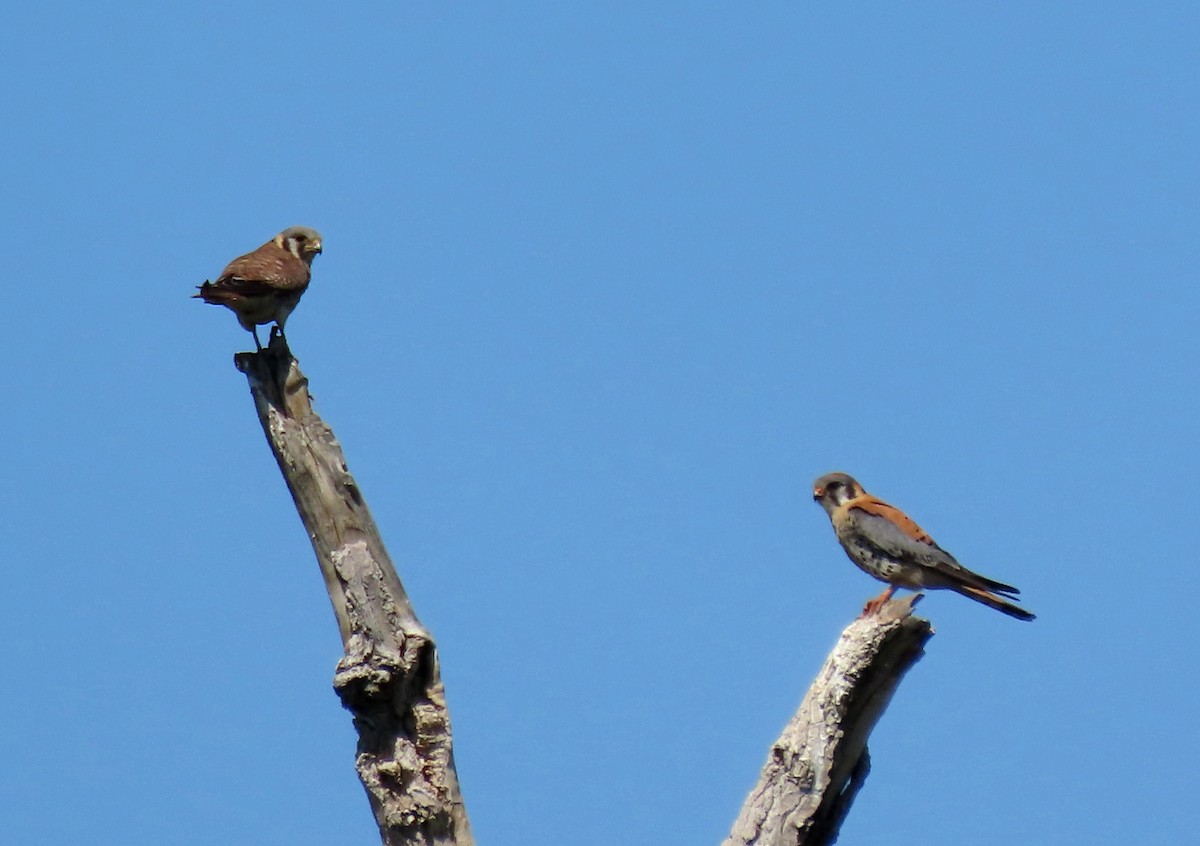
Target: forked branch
{"x":390,"y":680}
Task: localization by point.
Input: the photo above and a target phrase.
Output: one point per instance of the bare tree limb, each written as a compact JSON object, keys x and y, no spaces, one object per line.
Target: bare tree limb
{"x":816,"y":767}
{"x":389,"y":678}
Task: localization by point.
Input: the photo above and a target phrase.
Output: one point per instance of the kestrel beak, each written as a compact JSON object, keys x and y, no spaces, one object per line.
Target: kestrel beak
{"x":316,"y":248}
{"x":818,"y":493}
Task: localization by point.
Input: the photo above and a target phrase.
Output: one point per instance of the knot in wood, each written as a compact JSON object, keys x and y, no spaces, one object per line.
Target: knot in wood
{"x":365,"y":673}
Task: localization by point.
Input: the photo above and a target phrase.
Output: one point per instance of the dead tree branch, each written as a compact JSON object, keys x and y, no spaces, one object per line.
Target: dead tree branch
{"x":389,"y":678}
{"x":816,"y":767}
{"x":390,"y":681}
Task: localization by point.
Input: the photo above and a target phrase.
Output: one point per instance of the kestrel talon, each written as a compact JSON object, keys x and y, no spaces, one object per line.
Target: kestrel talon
{"x":885,"y":543}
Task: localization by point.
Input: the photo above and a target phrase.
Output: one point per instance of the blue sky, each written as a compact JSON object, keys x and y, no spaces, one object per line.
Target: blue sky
{"x":604,"y":288}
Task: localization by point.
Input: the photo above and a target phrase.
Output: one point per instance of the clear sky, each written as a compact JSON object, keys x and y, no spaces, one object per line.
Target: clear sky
{"x":605,"y":286}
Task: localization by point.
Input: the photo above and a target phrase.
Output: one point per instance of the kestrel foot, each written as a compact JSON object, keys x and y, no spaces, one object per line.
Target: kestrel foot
{"x":872,"y":607}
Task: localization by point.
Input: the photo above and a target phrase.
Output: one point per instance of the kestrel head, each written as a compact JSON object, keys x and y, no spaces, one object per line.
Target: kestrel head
{"x":300,"y":241}
{"x":832,"y":489}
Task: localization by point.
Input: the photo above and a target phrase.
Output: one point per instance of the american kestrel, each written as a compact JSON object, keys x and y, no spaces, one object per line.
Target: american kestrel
{"x":265,"y":285}
{"x":885,"y":543}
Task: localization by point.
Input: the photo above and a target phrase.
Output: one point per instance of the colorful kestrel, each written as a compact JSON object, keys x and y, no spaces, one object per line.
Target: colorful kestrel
{"x":886,"y":544}
{"x":265,"y":285}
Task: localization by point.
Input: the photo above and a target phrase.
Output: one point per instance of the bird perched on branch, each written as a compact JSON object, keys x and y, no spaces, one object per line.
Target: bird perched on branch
{"x":265,"y":285}
{"x":885,"y":543}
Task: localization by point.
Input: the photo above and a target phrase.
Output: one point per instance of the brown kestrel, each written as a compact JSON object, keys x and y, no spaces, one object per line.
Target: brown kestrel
{"x":886,"y":544}
{"x":265,"y":285}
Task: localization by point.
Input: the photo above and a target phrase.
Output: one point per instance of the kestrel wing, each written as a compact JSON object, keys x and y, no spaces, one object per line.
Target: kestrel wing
{"x":894,"y":532}
{"x":237,"y":286}
{"x":898,"y":536}
{"x":266,"y":270}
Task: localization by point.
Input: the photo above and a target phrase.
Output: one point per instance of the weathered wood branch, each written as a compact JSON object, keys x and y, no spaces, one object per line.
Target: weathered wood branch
{"x":389,"y":678}
{"x":816,"y":767}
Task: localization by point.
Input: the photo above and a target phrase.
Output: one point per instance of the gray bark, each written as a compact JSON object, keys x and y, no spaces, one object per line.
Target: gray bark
{"x":389,"y":678}
{"x":816,"y":767}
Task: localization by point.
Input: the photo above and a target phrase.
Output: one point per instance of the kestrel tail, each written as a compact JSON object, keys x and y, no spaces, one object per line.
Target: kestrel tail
{"x":265,"y":285}
{"x":885,"y":543}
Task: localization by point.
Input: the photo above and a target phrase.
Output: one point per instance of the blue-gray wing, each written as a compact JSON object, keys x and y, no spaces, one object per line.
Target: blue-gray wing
{"x":895,"y":539}
{"x":901,"y":538}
